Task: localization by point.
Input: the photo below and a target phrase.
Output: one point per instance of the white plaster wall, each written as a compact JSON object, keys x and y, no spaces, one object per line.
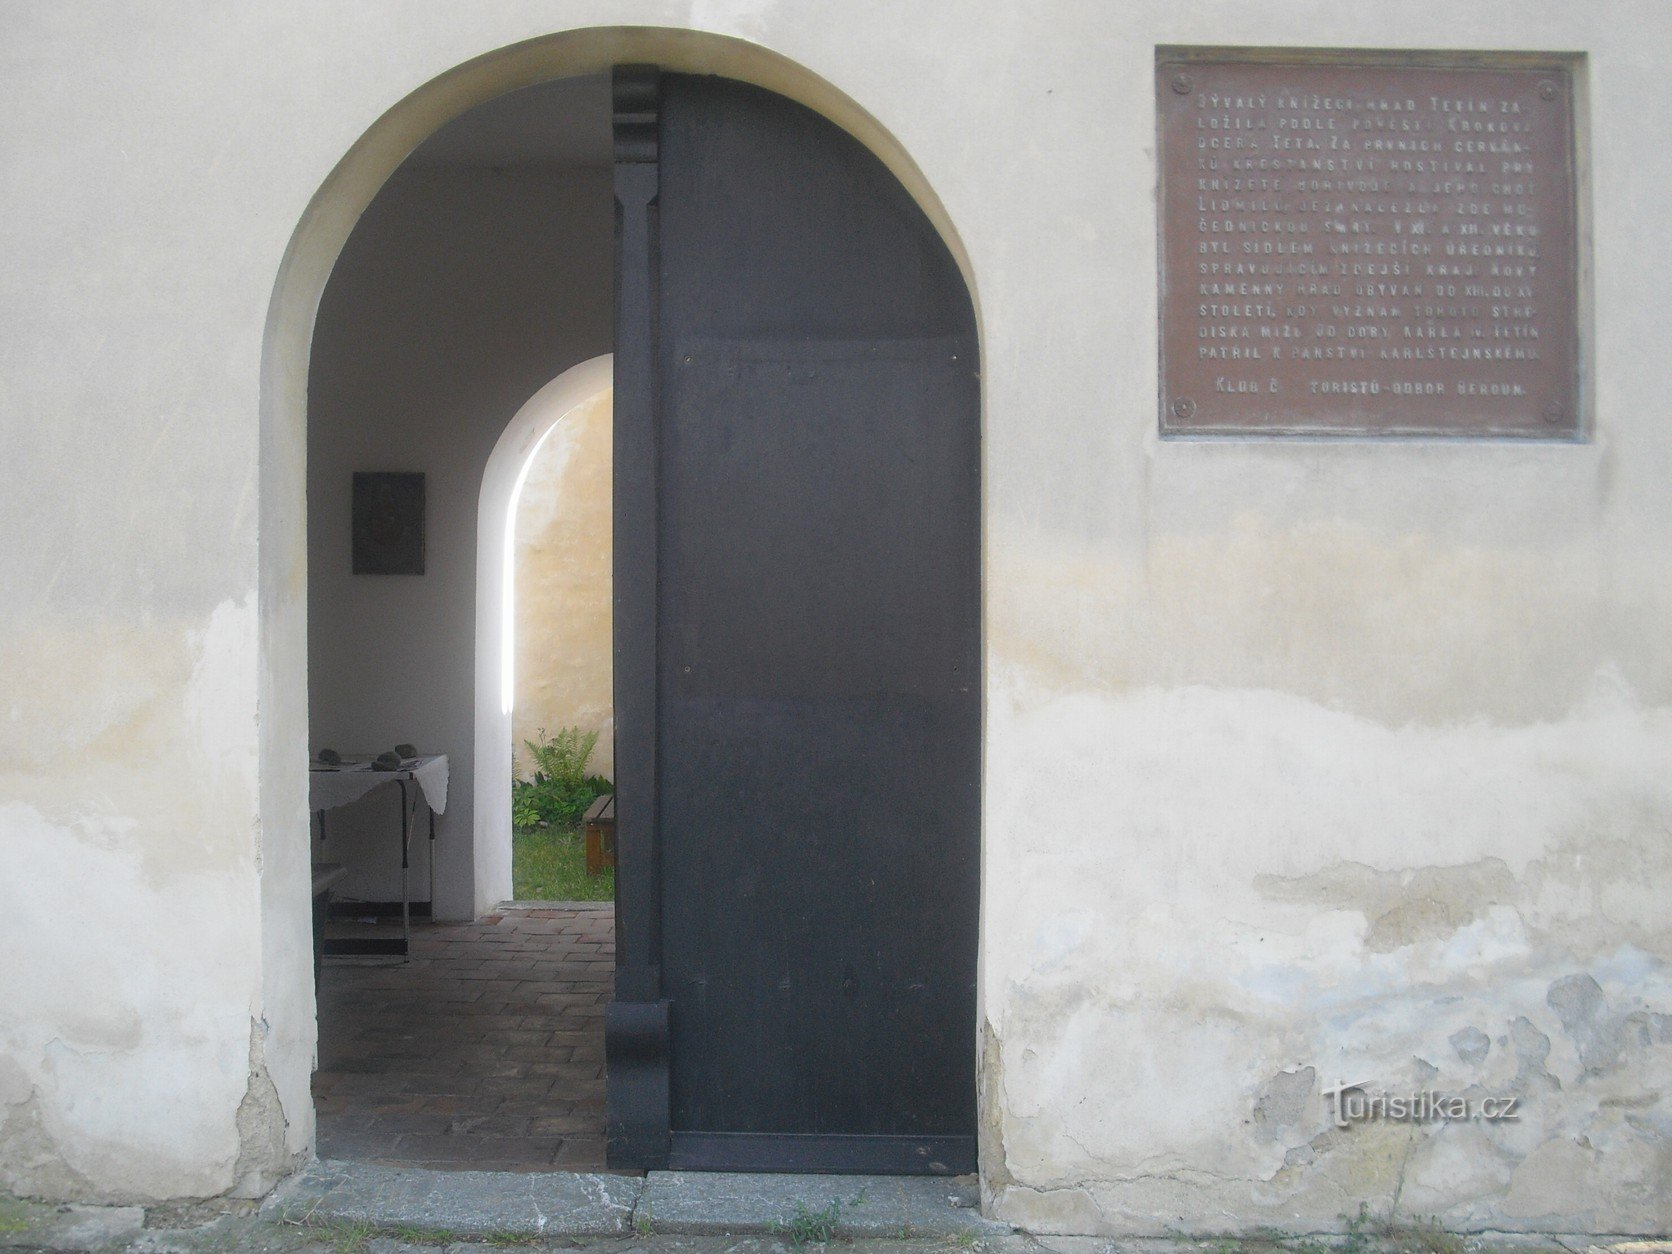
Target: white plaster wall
{"x":1300,"y":756}
{"x":462,"y":291}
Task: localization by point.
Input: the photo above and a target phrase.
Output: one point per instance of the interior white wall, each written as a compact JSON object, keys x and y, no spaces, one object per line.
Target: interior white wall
{"x":461,"y":292}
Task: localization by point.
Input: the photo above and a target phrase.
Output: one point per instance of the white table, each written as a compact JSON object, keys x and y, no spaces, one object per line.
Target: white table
{"x":333,"y":786}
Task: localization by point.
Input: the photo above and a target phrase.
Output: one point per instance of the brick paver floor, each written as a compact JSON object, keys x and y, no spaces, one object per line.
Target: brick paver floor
{"x":485,"y":1051}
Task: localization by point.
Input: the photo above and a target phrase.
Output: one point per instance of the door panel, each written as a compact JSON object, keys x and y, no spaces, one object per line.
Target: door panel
{"x":814,"y":649}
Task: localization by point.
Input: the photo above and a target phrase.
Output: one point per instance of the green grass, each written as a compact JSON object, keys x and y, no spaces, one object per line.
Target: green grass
{"x":14,"y":1216}
{"x":421,"y":1236}
{"x":549,"y":864}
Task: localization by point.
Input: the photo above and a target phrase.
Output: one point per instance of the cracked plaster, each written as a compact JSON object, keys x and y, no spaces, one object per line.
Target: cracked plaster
{"x":1263,"y":720}
{"x":1166,"y":1025}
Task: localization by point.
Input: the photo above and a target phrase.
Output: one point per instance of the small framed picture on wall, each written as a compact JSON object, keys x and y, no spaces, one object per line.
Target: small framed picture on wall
{"x":388,"y":526}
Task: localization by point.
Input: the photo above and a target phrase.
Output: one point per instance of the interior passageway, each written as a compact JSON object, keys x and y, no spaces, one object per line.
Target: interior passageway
{"x":479,"y":274}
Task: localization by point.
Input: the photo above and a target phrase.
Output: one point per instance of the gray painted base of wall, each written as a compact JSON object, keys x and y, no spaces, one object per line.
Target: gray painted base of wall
{"x":334,"y":1206}
{"x":570,"y":1204}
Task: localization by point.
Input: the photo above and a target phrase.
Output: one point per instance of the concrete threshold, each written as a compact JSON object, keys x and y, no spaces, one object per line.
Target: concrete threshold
{"x":798,"y":1208}
{"x":357,"y":1208}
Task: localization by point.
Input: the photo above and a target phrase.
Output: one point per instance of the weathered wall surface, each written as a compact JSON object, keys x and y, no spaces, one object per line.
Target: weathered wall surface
{"x":1306,"y":763}
{"x":1316,"y":763}
{"x":131,"y":935}
{"x":563,"y":579}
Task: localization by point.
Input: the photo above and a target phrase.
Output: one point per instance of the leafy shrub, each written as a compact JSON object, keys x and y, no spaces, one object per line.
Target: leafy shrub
{"x":560,"y":790}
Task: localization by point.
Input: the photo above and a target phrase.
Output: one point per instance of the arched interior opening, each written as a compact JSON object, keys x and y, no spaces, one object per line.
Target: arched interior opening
{"x":563,"y":678}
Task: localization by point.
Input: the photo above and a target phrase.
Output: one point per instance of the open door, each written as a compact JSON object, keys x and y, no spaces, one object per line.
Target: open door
{"x":797,"y":635}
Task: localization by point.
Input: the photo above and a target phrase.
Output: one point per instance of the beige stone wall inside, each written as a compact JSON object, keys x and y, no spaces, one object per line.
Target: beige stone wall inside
{"x":1306,"y":762}
{"x":563,"y":582}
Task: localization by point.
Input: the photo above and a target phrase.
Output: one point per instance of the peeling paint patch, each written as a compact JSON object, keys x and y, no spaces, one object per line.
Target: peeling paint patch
{"x":29,"y":1158}
{"x":1401,"y":907}
{"x":263,"y":1159}
{"x":1219,"y":903}
{"x":1471,"y":1045}
{"x":90,"y":1080}
{"x":1282,"y":1102}
{"x":1580,"y":1004}
{"x":995,"y":1174}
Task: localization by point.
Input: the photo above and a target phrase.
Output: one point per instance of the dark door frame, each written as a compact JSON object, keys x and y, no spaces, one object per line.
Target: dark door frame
{"x":636,"y":1031}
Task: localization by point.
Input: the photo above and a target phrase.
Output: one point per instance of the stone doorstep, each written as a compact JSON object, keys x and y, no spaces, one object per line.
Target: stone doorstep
{"x":716,"y":1203}
{"x":1488,"y":1242}
{"x":574,"y":1204}
{"x":580,"y":1209}
{"x":35,"y":1225}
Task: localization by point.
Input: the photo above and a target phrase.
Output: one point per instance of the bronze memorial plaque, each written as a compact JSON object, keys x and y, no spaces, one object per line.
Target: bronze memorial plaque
{"x":1368,"y":244}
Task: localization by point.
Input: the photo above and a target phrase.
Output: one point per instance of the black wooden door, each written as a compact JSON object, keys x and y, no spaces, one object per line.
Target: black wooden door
{"x":797,"y":649}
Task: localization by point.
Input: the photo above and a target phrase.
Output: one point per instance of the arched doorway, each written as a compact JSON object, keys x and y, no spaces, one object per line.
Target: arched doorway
{"x":308,"y":263}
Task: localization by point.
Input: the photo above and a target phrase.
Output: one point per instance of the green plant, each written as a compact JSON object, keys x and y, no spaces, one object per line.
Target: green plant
{"x":559,"y":789}
{"x":810,"y":1227}
{"x":1426,"y":1234}
{"x":1361,"y":1231}
{"x":1419,"y":1235}
{"x":549,"y":864}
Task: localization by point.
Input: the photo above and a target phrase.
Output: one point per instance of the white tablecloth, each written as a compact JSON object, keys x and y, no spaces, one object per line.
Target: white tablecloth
{"x":330,"y":787}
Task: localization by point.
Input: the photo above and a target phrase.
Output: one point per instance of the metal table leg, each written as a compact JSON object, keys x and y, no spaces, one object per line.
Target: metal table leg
{"x":406,"y":907}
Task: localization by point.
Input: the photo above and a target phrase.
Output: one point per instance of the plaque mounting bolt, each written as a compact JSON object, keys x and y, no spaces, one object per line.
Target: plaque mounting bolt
{"x":1182,"y":84}
{"x":1553,"y":411}
{"x":1184,"y":408}
{"x":1547,"y":90}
